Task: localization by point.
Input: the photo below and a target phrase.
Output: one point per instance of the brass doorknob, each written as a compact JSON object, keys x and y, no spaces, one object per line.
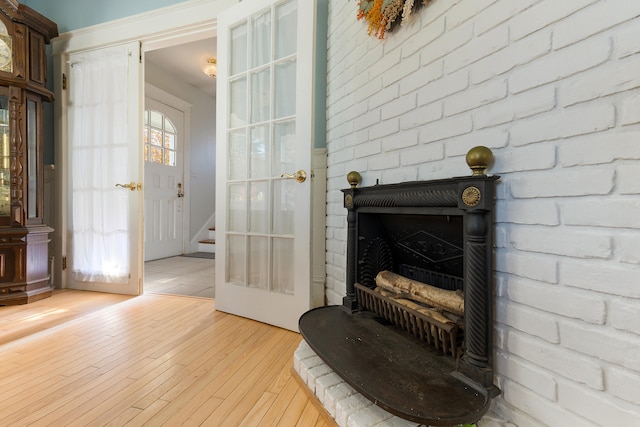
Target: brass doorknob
{"x":300,"y":176}
{"x":131,"y":186}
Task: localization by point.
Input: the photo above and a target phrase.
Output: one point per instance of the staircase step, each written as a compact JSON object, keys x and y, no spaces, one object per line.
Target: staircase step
{"x":207,"y":245}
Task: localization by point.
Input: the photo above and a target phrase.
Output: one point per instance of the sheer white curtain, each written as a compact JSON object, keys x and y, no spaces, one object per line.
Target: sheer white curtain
{"x":98,"y":220}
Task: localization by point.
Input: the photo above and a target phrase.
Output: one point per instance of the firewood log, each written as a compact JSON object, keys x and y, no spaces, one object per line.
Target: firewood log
{"x":452,"y":301}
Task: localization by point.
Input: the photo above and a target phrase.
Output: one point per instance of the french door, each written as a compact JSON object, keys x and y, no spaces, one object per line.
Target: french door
{"x":103,"y":172}
{"x":264,"y":163}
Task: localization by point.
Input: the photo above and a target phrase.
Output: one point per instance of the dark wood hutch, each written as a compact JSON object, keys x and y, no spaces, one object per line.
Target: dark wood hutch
{"x":24,"y":237}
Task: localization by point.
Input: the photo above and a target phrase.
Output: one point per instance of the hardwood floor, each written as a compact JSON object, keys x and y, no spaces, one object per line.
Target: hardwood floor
{"x":150,"y":360}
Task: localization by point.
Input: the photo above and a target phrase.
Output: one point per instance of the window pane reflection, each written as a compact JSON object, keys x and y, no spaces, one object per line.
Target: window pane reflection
{"x":238,"y":49}
{"x":160,"y":139}
{"x":261,"y":96}
{"x":170,"y":141}
{"x":261,"y":40}
{"x":156,"y":137}
{"x":286,"y":21}
{"x":238,"y":103}
{"x":259,"y":207}
{"x":284,"y":146}
{"x":260,"y":143}
{"x":237,"y":155}
{"x":258,"y":262}
{"x":237,"y":210}
{"x":284,"y":206}
{"x":285,"y":89}
{"x":282,"y":268}
{"x":156,"y":119}
{"x":237,"y":255}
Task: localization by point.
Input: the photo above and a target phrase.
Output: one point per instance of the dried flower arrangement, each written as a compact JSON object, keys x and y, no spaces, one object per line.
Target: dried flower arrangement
{"x":382,"y":15}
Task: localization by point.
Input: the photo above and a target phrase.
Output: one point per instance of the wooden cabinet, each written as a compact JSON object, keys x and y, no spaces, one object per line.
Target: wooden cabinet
{"x":24,"y":237}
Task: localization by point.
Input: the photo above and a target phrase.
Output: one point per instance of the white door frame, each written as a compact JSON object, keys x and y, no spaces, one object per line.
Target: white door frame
{"x":165,"y":27}
{"x":179,"y":104}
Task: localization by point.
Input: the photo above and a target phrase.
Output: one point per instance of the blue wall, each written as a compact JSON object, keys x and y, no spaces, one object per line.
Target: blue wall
{"x":74,"y":14}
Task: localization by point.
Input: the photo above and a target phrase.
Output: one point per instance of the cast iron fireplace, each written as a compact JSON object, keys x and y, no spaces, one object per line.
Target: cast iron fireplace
{"x":417,"y":367}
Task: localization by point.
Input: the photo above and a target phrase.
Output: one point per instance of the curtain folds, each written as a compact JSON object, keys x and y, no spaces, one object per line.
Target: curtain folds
{"x":98,"y":219}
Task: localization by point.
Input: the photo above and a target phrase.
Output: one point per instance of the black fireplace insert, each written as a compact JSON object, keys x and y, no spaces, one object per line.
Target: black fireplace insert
{"x":420,"y":363}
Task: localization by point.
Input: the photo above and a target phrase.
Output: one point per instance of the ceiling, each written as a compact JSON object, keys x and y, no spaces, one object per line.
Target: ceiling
{"x":186,"y":62}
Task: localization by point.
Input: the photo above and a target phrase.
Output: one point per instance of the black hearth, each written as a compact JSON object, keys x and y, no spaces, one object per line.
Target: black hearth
{"x":435,"y":370}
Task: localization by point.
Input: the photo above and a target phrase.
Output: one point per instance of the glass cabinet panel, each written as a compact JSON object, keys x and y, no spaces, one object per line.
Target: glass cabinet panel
{"x":32,"y":159}
{"x":5,"y":163}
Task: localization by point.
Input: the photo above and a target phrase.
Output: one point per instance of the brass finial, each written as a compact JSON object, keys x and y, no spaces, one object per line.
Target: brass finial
{"x":479,"y":158}
{"x":354,"y":179}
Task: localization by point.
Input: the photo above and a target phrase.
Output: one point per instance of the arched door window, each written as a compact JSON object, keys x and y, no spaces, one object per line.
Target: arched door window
{"x":159,"y":139}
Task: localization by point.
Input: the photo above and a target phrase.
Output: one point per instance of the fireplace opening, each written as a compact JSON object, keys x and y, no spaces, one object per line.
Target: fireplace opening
{"x":412,"y":245}
{"x":423,"y":248}
{"x":415,"y":331}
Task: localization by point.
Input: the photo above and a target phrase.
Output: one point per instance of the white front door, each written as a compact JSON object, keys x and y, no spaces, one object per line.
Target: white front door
{"x":103,"y":171}
{"x":264,"y":142}
{"x":164,"y":186}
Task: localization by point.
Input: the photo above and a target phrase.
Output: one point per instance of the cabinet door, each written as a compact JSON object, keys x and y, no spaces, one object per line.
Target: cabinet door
{"x":34,"y":161}
{"x":37,"y":58}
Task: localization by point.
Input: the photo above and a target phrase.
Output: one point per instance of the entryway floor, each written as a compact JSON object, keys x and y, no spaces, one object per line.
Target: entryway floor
{"x":180,"y":275}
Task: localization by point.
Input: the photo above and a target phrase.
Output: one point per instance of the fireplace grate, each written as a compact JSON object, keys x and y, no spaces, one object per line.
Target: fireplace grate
{"x":443,"y":337}
{"x":440,"y":280}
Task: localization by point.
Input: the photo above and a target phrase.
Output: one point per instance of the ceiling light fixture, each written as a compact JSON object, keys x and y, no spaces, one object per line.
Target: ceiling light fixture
{"x":211,"y":68}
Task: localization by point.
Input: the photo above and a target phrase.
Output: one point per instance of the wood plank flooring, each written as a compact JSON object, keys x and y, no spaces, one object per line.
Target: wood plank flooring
{"x":90,"y":359}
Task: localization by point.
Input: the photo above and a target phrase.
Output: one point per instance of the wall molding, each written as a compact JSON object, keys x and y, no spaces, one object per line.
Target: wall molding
{"x":165,"y":27}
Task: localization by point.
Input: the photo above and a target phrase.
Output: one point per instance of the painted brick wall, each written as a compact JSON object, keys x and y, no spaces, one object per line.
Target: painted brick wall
{"x":553,"y":88}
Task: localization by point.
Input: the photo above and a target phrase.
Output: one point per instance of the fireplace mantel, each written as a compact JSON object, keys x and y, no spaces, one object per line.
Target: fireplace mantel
{"x":388,"y":361}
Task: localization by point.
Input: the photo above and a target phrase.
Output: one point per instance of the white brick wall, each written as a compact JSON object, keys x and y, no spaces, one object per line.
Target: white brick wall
{"x":553,"y":88}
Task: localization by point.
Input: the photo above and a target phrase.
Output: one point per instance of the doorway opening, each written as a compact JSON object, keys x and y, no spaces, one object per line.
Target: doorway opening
{"x":175,"y":82}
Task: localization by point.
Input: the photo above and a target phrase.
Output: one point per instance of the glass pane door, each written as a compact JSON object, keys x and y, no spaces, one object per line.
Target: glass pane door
{"x":260,"y":139}
{"x":265,"y":121}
